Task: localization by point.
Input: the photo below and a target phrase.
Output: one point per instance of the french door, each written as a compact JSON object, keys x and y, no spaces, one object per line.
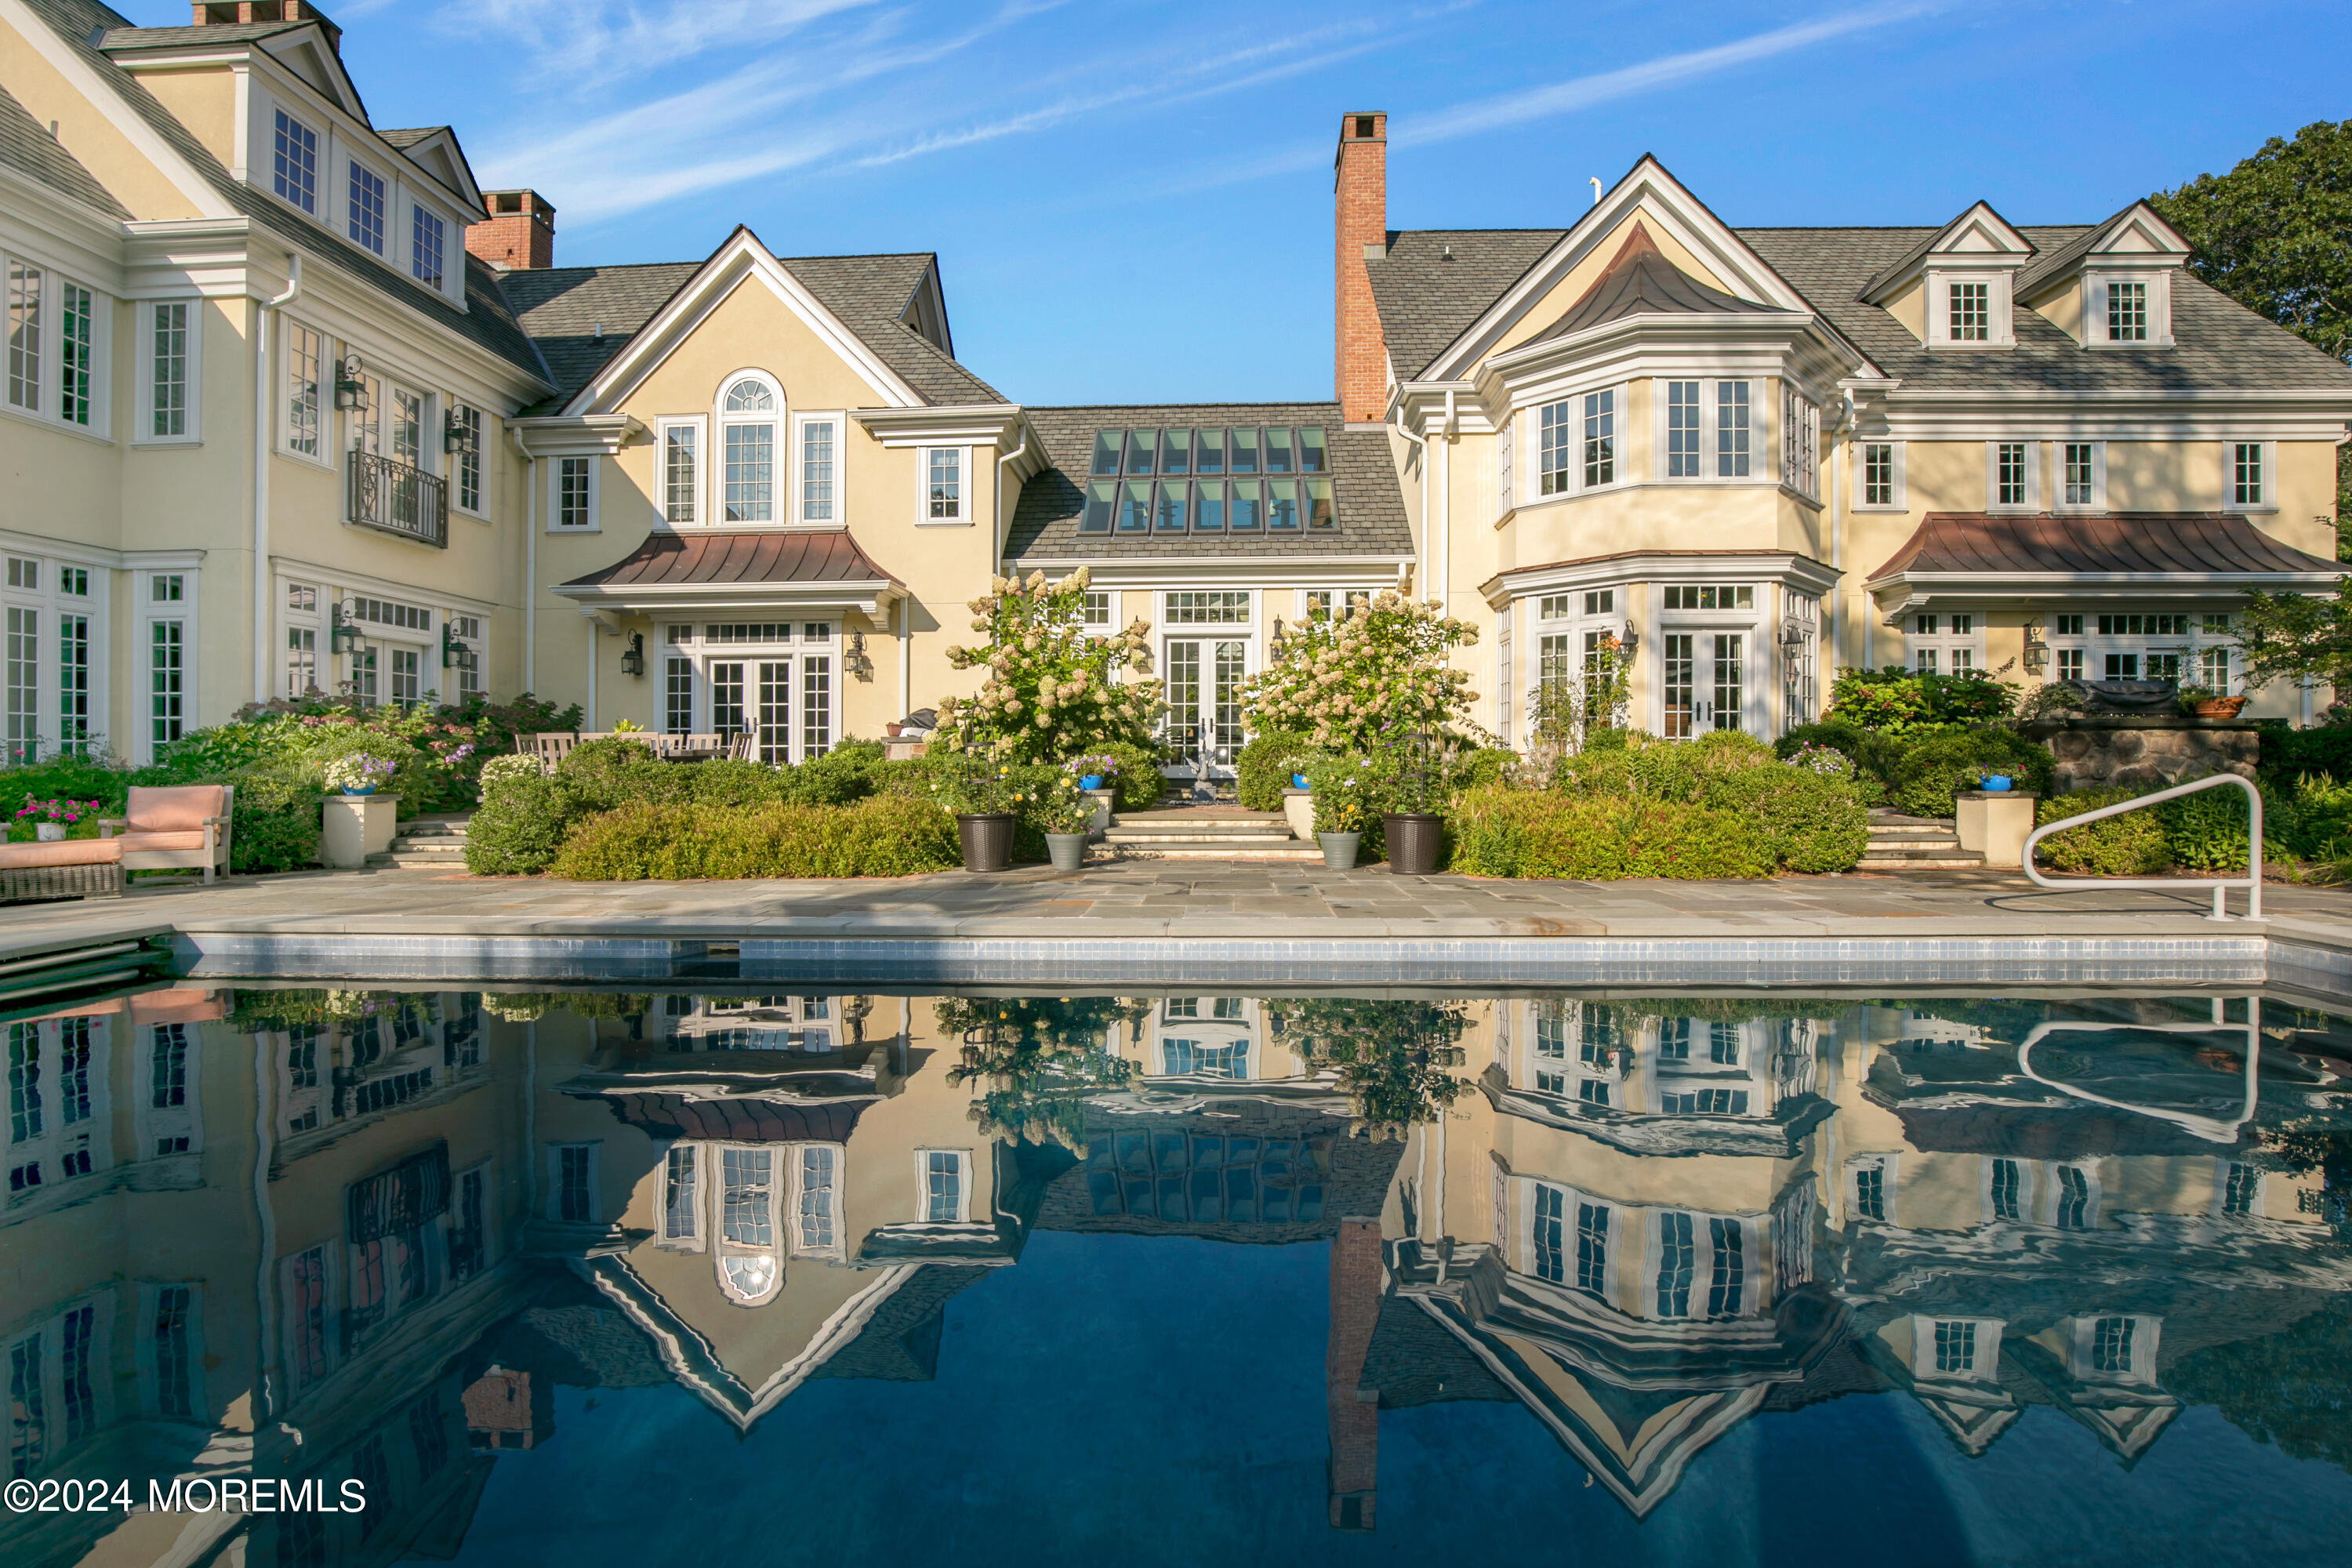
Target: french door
{"x":756,"y":695}
{"x":1204,"y":705}
{"x":1704,"y":679}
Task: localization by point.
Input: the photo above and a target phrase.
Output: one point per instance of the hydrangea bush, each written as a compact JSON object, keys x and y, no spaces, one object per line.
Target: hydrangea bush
{"x":1379,"y":672}
{"x":1052,"y":689}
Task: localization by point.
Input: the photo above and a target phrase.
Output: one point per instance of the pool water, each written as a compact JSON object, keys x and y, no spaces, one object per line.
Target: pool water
{"x":706,"y":1273}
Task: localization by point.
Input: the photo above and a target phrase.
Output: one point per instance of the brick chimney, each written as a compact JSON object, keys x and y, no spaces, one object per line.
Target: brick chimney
{"x":214,"y":12}
{"x":1351,"y":1410}
{"x":1360,"y":222}
{"x":520,"y":232}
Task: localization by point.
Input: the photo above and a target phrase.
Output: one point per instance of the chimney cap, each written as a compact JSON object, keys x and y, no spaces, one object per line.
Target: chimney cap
{"x":1364,"y":125}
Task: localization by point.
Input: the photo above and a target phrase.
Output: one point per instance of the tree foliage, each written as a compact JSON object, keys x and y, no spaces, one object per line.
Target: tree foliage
{"x":1052,"y":688}
{"x":2297,"y":636}
{"x":1379,"y":670}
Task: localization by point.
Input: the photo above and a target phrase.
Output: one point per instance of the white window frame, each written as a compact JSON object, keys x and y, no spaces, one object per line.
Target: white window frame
{"x":797,"y":1186}
{"x":1795,"y":442}
{"x":2000,"y":307}
{"x":698,"y":1205}
{"x":1943,"y":641}
{"x":964,"y":508}
{"x":780,"y":456}
{"x":1504,"y":478}
{"x":150,"y":1368}
{"x":839,"y":420}
{"x":323,"y":395}
{"x":2159,"y":283}
{"x":482,"y":425}
{"x":1620,"y":408}
{"x":385,"y":219}
{"x":49,"y":405}
{"x":321,"y":145}
{"x":2098,"y":502}
{"x":1710,"y":429}
{"x":418,"y":214}
{"x":1899,"y":499}
{"x":1889,"y":1164}
{"x":700,"y":491}
{"x":2269,"y":501}
{"x":142,"y":430}
{"x":554,"y":508}
{"x":963,"y":1185}
{"x":555,"y":1214}
{"x":147,"y":611}
{"x":2032,"y":501}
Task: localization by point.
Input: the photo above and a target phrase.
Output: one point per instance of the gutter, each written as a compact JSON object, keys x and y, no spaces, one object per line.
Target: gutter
{"x":997,"y":519}
{"x":530,"y":559}
{"x":264,"y":617}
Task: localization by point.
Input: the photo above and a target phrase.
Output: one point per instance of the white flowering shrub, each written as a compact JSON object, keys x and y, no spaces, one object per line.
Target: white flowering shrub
{"x":504,"y":770}
{"x":1378,"y":672}
{"x":1052,"y":689}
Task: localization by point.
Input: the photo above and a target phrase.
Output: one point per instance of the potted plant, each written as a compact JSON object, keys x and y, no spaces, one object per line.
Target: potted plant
{"x":1414,"y":785}
{"x":2204,"y":702}
{"x":52,"y":818}
{"x":1093,"y":771}
{"x":1340,"y":811}
{"x":982,"y":796}
{"x":357,"y":774}
{"x":1995,"y":783}
{"x":1067,"y":813}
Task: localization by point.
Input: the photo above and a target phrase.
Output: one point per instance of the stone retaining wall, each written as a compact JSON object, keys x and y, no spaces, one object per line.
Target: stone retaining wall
{"x":2145,"y":753}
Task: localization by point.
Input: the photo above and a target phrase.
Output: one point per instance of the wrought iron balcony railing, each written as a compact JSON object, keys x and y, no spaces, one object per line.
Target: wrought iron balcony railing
{"x":397,"y":499}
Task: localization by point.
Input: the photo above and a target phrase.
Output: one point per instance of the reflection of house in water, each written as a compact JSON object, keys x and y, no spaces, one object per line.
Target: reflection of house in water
{"x":1653,"y":1227}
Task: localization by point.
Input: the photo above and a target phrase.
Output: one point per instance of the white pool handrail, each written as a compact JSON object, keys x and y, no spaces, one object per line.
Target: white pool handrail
{"x":2212,"y":1129}
{"x":2252,"y":881}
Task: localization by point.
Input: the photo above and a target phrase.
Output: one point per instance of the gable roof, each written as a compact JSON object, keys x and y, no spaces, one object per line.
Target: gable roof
{"x":2060,"y":259}
{"x":1430,"y":285}
{"x":27,"y":146}
{"x":1641,"y":282}
{"x":562,"y":308}
{"x":487,"y":321}
{"x":1365,"y":496}
{"x":1935,"y":241}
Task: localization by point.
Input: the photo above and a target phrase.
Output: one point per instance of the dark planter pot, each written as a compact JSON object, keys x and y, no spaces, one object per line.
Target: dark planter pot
{"x":1416,"y":839}
{"x":987,"y":841}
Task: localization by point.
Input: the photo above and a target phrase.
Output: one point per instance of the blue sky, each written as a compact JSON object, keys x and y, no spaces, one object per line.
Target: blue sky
{"x":1133,"y":202}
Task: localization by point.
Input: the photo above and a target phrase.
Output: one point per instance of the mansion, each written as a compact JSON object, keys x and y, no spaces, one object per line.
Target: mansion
{"x":291,"y":404}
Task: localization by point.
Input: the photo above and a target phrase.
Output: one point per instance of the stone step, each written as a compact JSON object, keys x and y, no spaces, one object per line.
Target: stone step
{"x":1289,"y":850}
{"x":451,"y":849}
{"x":436,"y":828}
{"x":1920,"y":860}
{"x":1899,"y":846}
{"x":1278,"y":835}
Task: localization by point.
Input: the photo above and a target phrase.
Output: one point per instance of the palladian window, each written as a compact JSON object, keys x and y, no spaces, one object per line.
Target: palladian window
{"x":748,"y":412}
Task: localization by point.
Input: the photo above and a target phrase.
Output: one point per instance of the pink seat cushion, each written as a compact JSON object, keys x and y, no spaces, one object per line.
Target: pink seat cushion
{"x":173,"y":810}
{"x":132,"y":843}
{"x":65,"y":852}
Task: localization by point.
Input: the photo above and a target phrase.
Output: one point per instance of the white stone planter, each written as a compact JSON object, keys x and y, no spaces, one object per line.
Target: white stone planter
{"x":1298,"y":810}
{"x":1103,"y":800}
{"x":1995,"y":823}
{"x":355,"y":826}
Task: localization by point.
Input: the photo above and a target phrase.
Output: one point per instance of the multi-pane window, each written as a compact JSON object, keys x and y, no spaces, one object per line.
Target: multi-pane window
{"x":24,"y":378}
{"x":75,"y":1337}
{"x":2074,"y":1199}
{"x":816,"y":1205}
{"x":468,"y":420}
{"x":681,"y":472}
{"x":678,"y":695}
{"x":28,"y":1425}
{"x":2010,"y":482}
{"x":1557,"y":427}
{"x":427,"y":243}
{"x":1504,"y":500}
{"x":942,"y":1186}
{"x":575,"y":1183}
{"x":1677,"y":1262}
{"x":166,"y":681}
{"x":1956,"y":1346}
{"x":817,"y":470}
{"x":1177,"y":481}
{"x":1869,"y":1191}
{"x":1550,"y":1260}
{"x":1730,"y":1280}
{"x":1216,"y":607}
{"x":74,"y":334}
{"x":1878,"y":473}
{"x":367,"y":209}
{"x":2080,"y":488}
{"x":2004,"y":1188}
{"x":943,"y":482}
{"x":301,"y":661}
{"x":1599,"y":439}
{"x":1592,"y":1247}
{"x":171,"y":1331}
{"x":678,"y":1192}
{"x":1709,"y":596}
{"x":572,"y":491}
{"x":2213,"y":670}
{"x":407,"y":677}
{"x":24,"y":1104}
{"x":1681,"y":429}
{"x":295,"y":169}
{"x":2126,"y":312}
{"x":2241,"y":1189}
{"x":2246,"y":486}
{"x":1800,"y":428}
{"x":1097,"y":608}
{"x":168,"y":357}
{"x":1971,"y":312}
{"x":304,"y":350}
{"x":1731,"y":428}
{"x":817,"y":706}
{"x":2111,"y":1344}
{"x":749,"y":455}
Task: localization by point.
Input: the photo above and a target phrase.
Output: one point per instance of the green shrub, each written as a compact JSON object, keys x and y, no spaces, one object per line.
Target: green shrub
{"x":1502,"y":832}
{"x":1835,"y":734}
{"x":2130,"y":845}
{"x":517,"y":831}
{"x":274,"y":822}
{"x":1138,"y":784}
{"x":837,"y":778}
{"x":1265,"y":765}
{"x":2315,"y":814}
{"x":1809,"y":822}
{"x":65,"y":778}
{"x":726,"y":781}
{"x":1931,"y":774}
{"x":2207,"y":831}
{"x":2288,"y":753}
{"x":1478,"y":769}
{"x":885,"y":835}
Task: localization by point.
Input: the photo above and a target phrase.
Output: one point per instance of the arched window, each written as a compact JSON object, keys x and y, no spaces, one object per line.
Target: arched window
{"x":748,"y":414}
{"x":750,"y":1263}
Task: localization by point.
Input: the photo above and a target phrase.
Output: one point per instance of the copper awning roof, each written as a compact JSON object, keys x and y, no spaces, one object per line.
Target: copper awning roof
{"x":745,"y":1120}
{"x":799,"y":566}
{"x":2193,"y":548}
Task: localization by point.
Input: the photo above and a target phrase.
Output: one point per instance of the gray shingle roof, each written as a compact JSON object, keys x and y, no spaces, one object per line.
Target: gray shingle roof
{"x":1906,"y":260}
{"x":1426,"y":303}
{"x":1368,"y":505}
{"x":25,"y":145}
{"x":1641,"y":281}
{"x":487,"y":321}
{"x":403,"y":140}
{"x":127,"y":36}
{"x":1427,"y":300}
{"x":561,"y":307}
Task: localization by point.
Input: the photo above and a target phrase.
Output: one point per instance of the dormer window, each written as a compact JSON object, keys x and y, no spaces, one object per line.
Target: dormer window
{"x":1968,"y":308}
{"x":2126,"y":312}
{"x":427,"y":235}
{"x":1971,"y":316}
{"x":296,"y":167}
{"x":367,"y":209}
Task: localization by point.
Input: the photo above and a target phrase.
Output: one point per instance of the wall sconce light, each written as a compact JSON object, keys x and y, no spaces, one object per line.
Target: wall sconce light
{"x":452,"y":652}
{"x":350,"y":384}
{"x":342,"y":634}
{"x":2037,"y":652}
{"x":633,"y":657}
{"x":1631,"y":645}
{"x":457,"y":436}
{"x":859,"y":665}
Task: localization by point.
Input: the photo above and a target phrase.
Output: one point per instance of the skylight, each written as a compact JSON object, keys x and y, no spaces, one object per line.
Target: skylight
{"x":1226,"y":480}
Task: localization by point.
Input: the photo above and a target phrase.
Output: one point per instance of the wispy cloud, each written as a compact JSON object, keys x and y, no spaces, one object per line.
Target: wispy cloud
{"x":587,"y":43}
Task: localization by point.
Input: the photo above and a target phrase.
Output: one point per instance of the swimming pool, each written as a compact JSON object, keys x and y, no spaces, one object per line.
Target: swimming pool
{"x":711,"y":1269}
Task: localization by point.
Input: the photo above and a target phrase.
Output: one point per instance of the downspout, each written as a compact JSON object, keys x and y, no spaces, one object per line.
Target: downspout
{"x":529,"y":561}
{"x":265,"y":1302}
{"x":593,"y":632}
{"x":1841,"y":484}
{"x":264,"y":617}
{"x":997,"y":522}
{"x":906,"y":607}
{"x":1443,"y":587}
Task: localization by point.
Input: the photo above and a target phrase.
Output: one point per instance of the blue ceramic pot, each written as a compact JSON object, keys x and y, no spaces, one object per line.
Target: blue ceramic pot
{"x":1090,"y":781}
{"x":1298,"y":781}
{"x":1996,"y":782}
{"x":364,"y":789}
